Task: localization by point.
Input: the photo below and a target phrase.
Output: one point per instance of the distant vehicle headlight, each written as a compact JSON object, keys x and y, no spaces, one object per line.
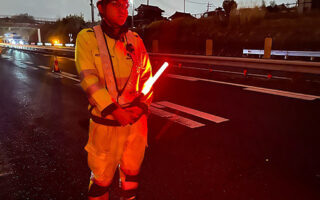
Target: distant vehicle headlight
{"x":13,"y":42}
{"x":21,"y":42}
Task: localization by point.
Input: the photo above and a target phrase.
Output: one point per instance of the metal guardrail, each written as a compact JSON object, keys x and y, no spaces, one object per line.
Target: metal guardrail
{"x":246,"y":63}
{"x":63,"y":51}
{"x":286,"y":54}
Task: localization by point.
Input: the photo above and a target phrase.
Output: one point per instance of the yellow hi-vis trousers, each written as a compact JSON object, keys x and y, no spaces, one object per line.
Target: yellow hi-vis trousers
{"x":110,"y":146}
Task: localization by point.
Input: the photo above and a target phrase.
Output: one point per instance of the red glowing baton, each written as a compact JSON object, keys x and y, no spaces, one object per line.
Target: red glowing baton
{"x":149,"y":83}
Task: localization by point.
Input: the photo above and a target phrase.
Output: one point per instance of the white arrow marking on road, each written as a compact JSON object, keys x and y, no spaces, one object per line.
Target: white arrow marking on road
{"x":176,"y":118}
{"x":194,"y":112}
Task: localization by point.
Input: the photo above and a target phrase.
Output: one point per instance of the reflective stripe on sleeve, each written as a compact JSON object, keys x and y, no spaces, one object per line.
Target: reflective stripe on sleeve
{"x":88,"y":72}
{"x":93,"y":88}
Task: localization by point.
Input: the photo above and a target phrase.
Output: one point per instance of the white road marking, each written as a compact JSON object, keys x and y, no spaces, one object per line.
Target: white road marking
{"x":157,"y":105}
{"x":34,"y":68}
{"x":43,"y":67}
{"x":194,"y":112}
{"x":72,"y":78}
{"x":252,"y":88}
{"x":55,"y":75}
{"x":29,"y":63}
{"x":283,"y":93}
{"x":230,"y":72}
{"x":187,"y":78}
{"x":60,"y":75}
{"x":176,"y":118}
{"x":68,"y":74}
{"x":6,"y":173}
{"x":5,"y":56}
{"x":5,"y":166}
{"x":70,"y":59}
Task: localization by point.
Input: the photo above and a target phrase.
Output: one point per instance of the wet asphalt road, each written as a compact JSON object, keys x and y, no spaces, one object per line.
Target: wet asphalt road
{"x":268,"y":149}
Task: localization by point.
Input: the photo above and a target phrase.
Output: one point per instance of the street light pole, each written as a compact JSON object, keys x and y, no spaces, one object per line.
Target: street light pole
{"x":184,"y":6}
{"x":92,"y":10}
{"x":132,"y":22}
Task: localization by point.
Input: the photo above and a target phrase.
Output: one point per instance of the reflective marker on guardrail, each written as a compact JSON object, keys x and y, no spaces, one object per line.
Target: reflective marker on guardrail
{"x":40,"y":44}
{"x":69,"y":45}
{"x":48,"y":44}
{"x":284,"y":53}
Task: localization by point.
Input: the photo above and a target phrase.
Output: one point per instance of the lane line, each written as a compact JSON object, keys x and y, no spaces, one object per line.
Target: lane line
{"x":252,"y":88}
{"x":283,"y":93}
{"x":2,"y":174}
{"x":194,"y":112}
{"x":72,"y":78}
{"x":34,"y":68}
{"x":58,"y":76}
{"x":187,"y":78}
{"x":5,"y":56}
{"x":238,"y":73}
{"x":176,"y":118}
{"x":28,"y":63}
{"x":62,"y":74}
{"x":157,"y":105}
{"x":69,"y":74}
{"x":69,"y":59}
{"x":43,"y":67}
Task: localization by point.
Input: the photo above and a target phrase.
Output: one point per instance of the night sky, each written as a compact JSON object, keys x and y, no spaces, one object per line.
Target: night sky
{"x":61,"y":8}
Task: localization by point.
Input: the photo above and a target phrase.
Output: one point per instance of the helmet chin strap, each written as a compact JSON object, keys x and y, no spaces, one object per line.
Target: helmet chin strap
{"x":115,"y":26}
{"x":114,"y":31}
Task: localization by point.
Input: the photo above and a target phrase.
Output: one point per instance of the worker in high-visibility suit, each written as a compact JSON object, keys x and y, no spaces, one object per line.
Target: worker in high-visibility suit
{"x":113,"y":65}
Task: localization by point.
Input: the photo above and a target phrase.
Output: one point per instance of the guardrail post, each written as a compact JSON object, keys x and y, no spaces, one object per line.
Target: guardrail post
{"x":155,"y":46}
{"x":209,"y":47}
{"x":267,"y":47}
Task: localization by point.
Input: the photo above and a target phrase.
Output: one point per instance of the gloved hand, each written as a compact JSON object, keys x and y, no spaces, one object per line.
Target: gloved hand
{"x":122,"y":116}
{"x":135,"y":112}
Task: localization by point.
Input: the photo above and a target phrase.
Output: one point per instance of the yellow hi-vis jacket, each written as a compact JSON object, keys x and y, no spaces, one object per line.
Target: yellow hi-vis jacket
{"x":111,"y":71}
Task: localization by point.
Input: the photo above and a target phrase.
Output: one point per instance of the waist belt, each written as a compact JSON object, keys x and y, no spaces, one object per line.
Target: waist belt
{"x":107,"y":122}
{"x":110,"y":122}
{"x":103,"y":121}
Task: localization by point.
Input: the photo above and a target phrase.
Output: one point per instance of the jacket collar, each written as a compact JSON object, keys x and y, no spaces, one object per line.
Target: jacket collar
{"x":110,"y":31}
